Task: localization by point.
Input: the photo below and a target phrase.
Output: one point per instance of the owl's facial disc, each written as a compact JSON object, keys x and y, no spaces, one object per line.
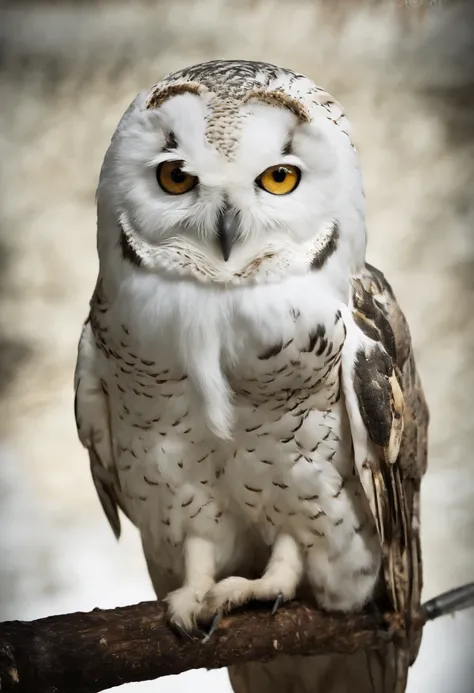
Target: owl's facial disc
{"x":264,"y":198}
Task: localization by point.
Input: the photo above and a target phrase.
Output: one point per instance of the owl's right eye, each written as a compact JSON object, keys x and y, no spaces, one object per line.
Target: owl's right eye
{"x":173,"y":180}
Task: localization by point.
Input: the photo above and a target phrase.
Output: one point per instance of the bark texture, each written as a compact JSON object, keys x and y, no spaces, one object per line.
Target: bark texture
{"x":90,"y":652}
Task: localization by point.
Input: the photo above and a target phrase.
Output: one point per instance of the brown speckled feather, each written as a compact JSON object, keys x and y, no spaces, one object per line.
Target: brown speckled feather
{"x":399,"y":430}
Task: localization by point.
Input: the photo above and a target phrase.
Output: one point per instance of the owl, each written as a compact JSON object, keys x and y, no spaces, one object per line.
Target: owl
{"x":245,"y":383}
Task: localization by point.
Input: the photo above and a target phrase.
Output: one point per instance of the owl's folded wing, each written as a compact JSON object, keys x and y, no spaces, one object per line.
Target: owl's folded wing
{"x":93,"y":426}
{"x":389,"y":419}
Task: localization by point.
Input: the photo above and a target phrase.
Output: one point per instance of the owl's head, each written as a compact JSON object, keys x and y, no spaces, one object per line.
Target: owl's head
{"x":233,"y":172}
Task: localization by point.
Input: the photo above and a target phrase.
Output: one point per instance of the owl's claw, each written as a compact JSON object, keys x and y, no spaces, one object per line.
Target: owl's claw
{"x":182,"y":632}
{"x":212,"y":629}
{"x":278,"y":602}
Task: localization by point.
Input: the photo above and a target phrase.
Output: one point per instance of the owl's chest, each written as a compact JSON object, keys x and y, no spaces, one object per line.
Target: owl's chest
{"x":270,"y":358}
{"x":294,"y":368}
{"x":206,"y":362}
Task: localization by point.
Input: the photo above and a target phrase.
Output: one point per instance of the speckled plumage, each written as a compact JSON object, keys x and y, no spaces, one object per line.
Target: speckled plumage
{"x":260,"y":420}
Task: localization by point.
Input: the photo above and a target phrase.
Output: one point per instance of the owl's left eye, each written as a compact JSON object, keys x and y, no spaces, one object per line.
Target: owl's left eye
{"x":173,"y":180}
{"x":279,"y":180}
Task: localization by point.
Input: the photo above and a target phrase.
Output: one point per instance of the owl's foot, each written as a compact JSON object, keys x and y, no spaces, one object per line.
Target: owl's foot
{"x":278,"y":584}
{"x":185,"y":606}
{"x":237,"y":591}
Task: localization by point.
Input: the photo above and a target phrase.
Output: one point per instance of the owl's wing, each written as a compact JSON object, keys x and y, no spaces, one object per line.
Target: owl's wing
{"x":91,"y":409}
{"x":389,"y":419}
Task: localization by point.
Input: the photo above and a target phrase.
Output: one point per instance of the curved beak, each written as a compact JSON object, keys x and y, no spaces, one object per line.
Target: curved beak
{"x":227,"y":228}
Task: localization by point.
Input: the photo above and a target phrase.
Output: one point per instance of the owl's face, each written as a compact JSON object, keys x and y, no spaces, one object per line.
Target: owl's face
{"x":218,"y":188}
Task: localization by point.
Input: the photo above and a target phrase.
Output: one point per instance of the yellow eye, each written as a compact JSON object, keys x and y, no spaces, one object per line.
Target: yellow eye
{"x":279,"y":180}
{"x":173,"y":180}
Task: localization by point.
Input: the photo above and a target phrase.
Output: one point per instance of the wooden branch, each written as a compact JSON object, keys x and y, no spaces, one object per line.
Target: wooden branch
{"x":90,"y":652}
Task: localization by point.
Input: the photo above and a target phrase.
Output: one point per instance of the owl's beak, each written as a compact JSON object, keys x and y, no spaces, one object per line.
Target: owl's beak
{"x":227,"y":227}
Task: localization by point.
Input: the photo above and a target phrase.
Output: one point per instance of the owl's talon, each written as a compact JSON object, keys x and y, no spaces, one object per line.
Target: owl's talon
{"x":279,"y":601}
{"x":212,"y":629}
{"x":182,"y":632}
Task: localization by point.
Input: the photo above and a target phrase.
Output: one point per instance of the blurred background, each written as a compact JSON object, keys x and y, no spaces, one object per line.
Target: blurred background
{"x":404,"y":70}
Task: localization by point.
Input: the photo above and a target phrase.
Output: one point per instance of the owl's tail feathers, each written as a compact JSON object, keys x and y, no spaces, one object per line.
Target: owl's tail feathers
{"x":375,"y":671}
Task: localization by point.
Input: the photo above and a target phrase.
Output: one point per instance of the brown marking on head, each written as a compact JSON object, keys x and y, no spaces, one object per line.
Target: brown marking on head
{"x":287,"y":149}
{"x":281,"y":99}
{"x":170,"y":142}
{"x":162,"y":93}
{"x":224,"y":123}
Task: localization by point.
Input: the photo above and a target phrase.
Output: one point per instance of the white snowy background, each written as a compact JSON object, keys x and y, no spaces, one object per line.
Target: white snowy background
{"x":403,"y":70}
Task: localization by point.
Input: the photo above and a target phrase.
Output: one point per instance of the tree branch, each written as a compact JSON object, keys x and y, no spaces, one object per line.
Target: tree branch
{"x":90,"y":652}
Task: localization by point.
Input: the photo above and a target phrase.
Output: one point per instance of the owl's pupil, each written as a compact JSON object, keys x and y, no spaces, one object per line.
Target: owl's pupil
{"x":279,"y":175}
{"x":177,"y":175}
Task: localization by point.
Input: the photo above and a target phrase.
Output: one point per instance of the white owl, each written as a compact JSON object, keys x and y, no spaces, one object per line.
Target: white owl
{"x":245,"y":383}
